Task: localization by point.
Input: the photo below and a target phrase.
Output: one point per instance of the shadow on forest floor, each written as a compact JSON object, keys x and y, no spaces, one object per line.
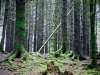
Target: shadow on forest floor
{"x":38,"y":64}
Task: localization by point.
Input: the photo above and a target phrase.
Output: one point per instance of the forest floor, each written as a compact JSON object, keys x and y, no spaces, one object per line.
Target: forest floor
{"x":39,"y":64}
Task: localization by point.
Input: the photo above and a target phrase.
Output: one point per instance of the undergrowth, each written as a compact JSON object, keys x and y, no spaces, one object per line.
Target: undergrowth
{"x":30,"y":64}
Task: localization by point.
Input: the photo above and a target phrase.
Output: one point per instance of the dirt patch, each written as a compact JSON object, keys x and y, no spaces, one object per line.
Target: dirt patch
{"x":6,"y":72}
{"x":3,"y":55}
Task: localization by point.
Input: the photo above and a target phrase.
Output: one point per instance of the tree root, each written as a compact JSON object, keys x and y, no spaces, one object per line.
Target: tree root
{"x":12,"y":56}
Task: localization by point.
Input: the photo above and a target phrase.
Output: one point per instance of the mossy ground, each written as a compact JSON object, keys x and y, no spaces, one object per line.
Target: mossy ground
{"x":38,"y":63}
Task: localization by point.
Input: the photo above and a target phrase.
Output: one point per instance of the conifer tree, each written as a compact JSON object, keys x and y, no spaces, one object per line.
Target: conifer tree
{"x":4,"y":26}
{"x":19,"y":42}
{"x":64,"y":25}
{"x":93,"y":42}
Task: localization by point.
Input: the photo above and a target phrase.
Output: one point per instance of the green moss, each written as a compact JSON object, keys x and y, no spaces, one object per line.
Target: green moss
{"x":16,"y":45}
{"x":20,"y":27}
{"x":51,"y":48}
{"x":72,"y":63}
{"x":64,"y":55}
{"x":10,"y":59}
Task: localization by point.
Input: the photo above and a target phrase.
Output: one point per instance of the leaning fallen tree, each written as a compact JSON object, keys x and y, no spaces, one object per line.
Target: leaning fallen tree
{"x":52,"y":34}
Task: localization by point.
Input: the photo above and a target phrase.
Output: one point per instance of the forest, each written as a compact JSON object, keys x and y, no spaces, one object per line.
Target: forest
{"x":49,"y":37}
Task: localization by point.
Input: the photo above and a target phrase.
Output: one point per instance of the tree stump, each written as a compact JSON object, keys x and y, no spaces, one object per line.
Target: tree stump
{"x":51,"y":69}
{"x":55,"y":70}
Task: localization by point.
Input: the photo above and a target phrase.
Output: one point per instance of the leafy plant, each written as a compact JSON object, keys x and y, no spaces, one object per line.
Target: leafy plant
{"x":51,"y":48}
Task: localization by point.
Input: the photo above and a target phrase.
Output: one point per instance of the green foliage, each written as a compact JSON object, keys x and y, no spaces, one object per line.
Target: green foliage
{"x":23,"y":58}
{"x":16,"y":45}
{"x":72,"y":63}
{"x":19,"y":42}
{"x":91,"y":71}
{"x":93,"y":40}
{"x":64,"y":55}
{"x":72,"y":55}
{"x":23,"y":47}
{"x":20,"y":30}
{"x":52,"y":62}
{"x":10,"y":59}
{"x":51,"y":48}
{"x":60,"y":50}
{"x":91,"y":14}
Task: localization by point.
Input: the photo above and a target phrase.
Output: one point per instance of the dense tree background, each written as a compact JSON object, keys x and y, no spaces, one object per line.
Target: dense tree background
{"x":25,"y":25}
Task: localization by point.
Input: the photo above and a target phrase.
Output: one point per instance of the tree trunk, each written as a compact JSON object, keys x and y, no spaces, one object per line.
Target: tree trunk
{"x":30,"y":27}
{"x":93,"y":42}
{"x":56,"y":23}
{"x":19,"y":42}
{"x":64,"y":26}
{"x":27,"y":4}
{"x":40,"y":25}
{"x":13,"y":19}
{"x":46,"y":27}
{"x":8,"y":30}
{"x":77,"y":39}
{"x":10,"y":26}
{"x":35,"y":30}
{"x":72,"y":26}
{"x":4,"y":26}
{"x":85,"y":22}
{"x":0,"y":10}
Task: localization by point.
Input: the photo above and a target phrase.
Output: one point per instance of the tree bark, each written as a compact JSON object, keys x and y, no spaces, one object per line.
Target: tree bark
{"x":4,"y":25}
{"x":0,"y":10}
{"x":64,"y":26}
{"x":8,"y":30}
{"x":85,"y":22}
{"x":40,"y":25}
{"x":35,"y":30}
{"x":30,"y":27}
{"x":13,"y":20}
{"x":72,"y":26}
{"x":19,"y":42}
{"x":93,"y":42}
{"x":77,"y":39}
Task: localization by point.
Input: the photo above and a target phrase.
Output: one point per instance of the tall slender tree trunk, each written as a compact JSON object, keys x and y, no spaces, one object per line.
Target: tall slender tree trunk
{"x":35,"y":30}
{"x":64,"y":26}
{"x":27,"y":19}
{"x":4,"y":26}
{"x":77,"y":39}
{"x":40,"y":25}
{"x":13,"y":19}
{"x":99,"y":30}
{"x":56,"y":23}
{"x":72,"y":26}
{"x":10,"y":26}
{"x":88,"y":27}
{"x":8,"y":30}
{"x":19,"y":42}
{"x":85,"y":22}
{"x":46,"y":27}
{"x":31,"y":27}
{"x":0,"y":10}
{"x":93,"y":42}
